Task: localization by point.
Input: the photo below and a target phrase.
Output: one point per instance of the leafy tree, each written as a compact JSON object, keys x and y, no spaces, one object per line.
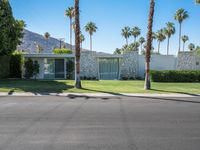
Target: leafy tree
{"x":147,"y":85}
{"x":70,"y":13}
{"x":91,"y":28}
{"x":160,"y":36}
{"x":180,"y":16}
{"x":11,"y":30}
{"x":169,"y":30}
{"x":136,"y":31}
{"x":191,"y":47}
{"x":184,"y":38}
{"x":126,"y":33}
{"x":62,"y":51}
{"x":77,"y":44}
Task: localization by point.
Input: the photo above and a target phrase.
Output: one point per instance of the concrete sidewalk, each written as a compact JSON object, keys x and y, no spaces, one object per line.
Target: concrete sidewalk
{"x":96,"y":94}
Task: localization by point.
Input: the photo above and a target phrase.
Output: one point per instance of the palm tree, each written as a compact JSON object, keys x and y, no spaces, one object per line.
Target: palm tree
{"x":77,"y":45}
{"x":82,"y":39}
{"x":197,"y":1}
{"x":70,"y":13}
{"x":180,"y":16}
{"x":136,"y":31}
{"x":91,"y":28}
{"x":47,"y":36}
{"x":184,"y":38}
{"x":141,"y":41}
{"x":126,"y":33}
{"x":147,"y":85}
{"x":169,"y":31}
{"x":191,"y":47}
{"x":160,"y":36}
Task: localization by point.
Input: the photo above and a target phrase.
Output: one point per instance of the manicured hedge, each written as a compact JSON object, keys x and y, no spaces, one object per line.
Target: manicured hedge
{"x":175,"y":76}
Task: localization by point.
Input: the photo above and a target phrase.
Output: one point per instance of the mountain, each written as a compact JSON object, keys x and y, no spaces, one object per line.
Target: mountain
{"x":31,"y":40}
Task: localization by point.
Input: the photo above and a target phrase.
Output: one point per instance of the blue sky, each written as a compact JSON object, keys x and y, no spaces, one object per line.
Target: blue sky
{"x":110,"y":16}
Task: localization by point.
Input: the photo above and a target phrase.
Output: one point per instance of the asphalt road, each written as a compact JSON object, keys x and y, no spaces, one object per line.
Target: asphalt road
{"x":84,"y":123}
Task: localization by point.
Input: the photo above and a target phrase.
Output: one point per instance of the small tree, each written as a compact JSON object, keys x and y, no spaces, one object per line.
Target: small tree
{"x":36,"y":69}
{"x":191,"y":47}
{"x":31,"y":69}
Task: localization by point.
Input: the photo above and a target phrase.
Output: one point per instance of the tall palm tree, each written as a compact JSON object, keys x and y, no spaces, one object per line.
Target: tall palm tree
{"x":184,"y":38}
{"x":136,"y":31}
{"x":180,"y":16}
{"x":77,"y":45}
{"x":141,"y":41}
{"x":197,"y":1}
{"x":47,"y":36}
{"x":191,"y":47}
{"x":82,"y":39}
{"x":147,"y":85}
{"x":91,"y":28}
{"x":126,"y":33}
{"x":160,"y":36}
{"x":70,"y":13}
{"x":169,"y":31}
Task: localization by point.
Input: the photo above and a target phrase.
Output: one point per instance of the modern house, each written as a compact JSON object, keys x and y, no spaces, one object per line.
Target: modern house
{"x":110,"y":67}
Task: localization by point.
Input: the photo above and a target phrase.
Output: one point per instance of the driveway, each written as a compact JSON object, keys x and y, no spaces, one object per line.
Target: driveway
{"x":94,"y":123}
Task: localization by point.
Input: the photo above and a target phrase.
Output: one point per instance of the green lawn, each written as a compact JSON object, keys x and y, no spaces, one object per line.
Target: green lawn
{"x":114,"y":87}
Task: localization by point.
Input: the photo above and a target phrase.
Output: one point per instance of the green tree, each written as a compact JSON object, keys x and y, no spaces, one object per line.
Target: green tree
{"x":77,"y":45}
{"x":141,"y":41}
{"x":136,"y":31}
{"x":126,"y":33}
{"x":160,"y":36}
{"x":91,"y":28}
{"x":180,"y":16}
{"x":147,"y":85}
{"x":184,"y":38}
{"x":70,"y":13}
{"x":169,"y":31}
{"x":11,"y":30}
{"x":191,"y":47}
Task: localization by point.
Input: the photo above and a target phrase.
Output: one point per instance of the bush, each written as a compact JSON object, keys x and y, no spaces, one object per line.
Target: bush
{"x":16,"y":62}
{"x":31,"y":69}
{"x":62,"y":51}
{"x":175,"y":76}
{"x":4,"y":66}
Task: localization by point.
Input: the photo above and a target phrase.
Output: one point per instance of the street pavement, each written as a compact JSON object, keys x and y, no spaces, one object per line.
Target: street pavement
{"x":76,"y":122}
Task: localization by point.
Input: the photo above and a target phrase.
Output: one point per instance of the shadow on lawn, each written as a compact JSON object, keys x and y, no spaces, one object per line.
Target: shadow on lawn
{"x":34,"y":86}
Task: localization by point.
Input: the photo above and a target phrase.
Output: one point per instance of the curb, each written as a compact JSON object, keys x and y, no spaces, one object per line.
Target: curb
{"x":28,"y":94}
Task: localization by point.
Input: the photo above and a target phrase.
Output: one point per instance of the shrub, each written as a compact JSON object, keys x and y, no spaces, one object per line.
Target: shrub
{"x":16,"y":62}
{"x":31,"y":68}
{"x":175,"y":76}
{"x":4,"y":66}
{"x":62,"y":51}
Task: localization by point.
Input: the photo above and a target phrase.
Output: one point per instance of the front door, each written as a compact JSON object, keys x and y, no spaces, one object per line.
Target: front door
{"x":59,"y":69}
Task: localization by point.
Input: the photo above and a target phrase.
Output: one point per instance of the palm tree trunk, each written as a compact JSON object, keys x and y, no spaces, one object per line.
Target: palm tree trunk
{"x":141,"y":48}
{"x":77,"y":45}
{"x":91,"y":42}
{"x":126,"y":41}
{"x":147,"y":85}
{"x":168,"y":46}
{"x":179,"y":49}
{"x":183,"y":46}
{"x":71,"y":33}
{"x":134,"y":39}
{"x":159,"y":47}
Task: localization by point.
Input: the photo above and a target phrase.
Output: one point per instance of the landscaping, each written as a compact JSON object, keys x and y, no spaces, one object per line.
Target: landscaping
{"x":113,"y":87}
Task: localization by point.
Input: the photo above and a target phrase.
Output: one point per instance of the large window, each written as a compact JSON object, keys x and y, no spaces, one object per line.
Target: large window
{"x":109,"y":68}
{"x":49,"y":69}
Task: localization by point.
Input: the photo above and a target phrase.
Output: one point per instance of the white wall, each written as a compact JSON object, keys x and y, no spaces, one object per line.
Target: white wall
{"x":158,"y":62}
